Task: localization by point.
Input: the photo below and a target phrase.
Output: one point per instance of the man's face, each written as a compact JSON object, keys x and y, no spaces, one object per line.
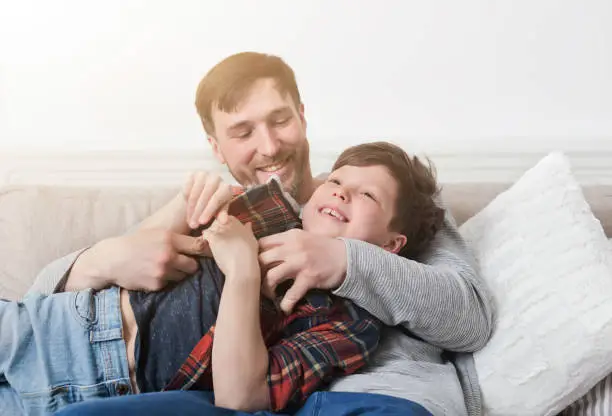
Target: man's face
{"x":265,"y":136}
{"x":355,"y":202}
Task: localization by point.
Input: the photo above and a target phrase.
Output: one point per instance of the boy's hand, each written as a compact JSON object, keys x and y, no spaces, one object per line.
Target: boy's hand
{"x":233,"y":247}
{"x":206,"y":195}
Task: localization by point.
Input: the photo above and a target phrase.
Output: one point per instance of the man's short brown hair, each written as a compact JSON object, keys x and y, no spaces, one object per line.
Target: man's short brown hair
{"x":228,"y":82}
{"x":417,"y":216}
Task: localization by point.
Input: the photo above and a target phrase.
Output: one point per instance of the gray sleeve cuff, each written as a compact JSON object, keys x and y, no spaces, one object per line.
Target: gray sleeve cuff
{"x":350,"y":285}
{"x":364,"y":281}
{"x":53,"y":277}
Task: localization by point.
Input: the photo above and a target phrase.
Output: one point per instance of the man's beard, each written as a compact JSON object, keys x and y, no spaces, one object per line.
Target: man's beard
{"x":294,"y":188}
{"x":300,"y":159}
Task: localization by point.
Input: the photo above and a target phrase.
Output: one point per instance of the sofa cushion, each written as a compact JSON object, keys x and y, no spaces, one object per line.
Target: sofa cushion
{"x":549,"y":267}
{"x":39,"y":224}
{"x":597,"y":402}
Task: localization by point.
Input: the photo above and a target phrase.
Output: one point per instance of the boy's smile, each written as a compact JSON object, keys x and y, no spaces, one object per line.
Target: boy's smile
{"x":334,"y":213}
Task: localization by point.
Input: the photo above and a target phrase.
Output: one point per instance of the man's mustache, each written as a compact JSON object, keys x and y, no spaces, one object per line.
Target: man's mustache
{"x":275,"y":161}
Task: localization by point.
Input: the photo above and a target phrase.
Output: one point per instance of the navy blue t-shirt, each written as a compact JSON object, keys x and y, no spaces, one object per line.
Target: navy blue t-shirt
{"x":172,"y":321}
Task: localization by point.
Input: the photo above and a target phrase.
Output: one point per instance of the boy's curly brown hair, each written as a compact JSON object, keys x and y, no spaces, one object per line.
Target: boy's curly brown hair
{"x":417,"y":216}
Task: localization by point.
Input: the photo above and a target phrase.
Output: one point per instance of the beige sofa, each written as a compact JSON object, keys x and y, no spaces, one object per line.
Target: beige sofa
{"x":41,"y":223}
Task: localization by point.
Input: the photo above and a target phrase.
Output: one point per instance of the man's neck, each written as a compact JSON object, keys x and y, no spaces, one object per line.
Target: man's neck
{"x":308,"y":187}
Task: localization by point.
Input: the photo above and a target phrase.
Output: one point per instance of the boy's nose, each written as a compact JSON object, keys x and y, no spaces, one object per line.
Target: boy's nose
{"x":339,"y":193}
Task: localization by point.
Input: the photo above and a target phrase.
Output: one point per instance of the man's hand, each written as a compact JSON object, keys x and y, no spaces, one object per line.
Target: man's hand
{"x":144,"y":260}
{"x":206,"y":195}
{"x":315,"y":262}
{"x":233,"y":247}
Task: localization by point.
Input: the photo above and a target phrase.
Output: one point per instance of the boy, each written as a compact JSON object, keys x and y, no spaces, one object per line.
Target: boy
{"x":282,"y":358}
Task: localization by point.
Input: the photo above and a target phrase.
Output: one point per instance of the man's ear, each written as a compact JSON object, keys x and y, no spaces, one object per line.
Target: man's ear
{"x":302,"y":117}
{"x":395,"y":243}
{"x":216,"y":149}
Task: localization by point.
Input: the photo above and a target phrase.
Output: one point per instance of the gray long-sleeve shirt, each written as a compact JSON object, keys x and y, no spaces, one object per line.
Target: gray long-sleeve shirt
{"x":437,"y":304}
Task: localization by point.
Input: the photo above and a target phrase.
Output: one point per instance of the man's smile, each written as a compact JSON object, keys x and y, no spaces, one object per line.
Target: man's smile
{"x":280,"y":168}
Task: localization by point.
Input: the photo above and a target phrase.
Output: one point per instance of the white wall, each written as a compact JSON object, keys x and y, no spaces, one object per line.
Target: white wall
{"x":121,"y":74}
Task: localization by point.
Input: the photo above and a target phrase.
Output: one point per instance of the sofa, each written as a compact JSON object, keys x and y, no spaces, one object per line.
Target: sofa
{"x":40,"y":222}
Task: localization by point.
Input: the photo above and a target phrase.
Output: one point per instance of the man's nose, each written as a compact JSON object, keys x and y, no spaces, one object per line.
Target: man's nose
{"x":269,"y":145}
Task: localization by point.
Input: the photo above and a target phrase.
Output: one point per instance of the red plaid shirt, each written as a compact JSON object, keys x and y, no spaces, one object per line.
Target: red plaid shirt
{"x":325,"y":337}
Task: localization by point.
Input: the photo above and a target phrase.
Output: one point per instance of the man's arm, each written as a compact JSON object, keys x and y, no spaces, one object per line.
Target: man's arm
{"x":441,"y":298}
{"x":149,"y":255}
{"x":146,"y":257}
{"x":140,"y":260}
{"x":52,"y":278}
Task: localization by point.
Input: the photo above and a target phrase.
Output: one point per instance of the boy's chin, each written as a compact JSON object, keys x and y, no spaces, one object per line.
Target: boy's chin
{"x":324,"y":229}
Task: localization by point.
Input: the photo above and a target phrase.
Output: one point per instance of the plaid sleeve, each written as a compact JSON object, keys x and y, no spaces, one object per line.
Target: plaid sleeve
{"x":266,"y":207}
{"x":302,"y":363}
{"x":197,"y":368}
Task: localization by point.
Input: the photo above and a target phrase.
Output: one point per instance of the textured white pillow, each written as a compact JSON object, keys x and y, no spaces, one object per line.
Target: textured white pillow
{"x":597,"y":402}
{"x":549,"y":266}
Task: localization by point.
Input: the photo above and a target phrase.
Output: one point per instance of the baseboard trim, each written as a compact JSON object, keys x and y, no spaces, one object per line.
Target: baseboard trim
{"x":171,"y":167}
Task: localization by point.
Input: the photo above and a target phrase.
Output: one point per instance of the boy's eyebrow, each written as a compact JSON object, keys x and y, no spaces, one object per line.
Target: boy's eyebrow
{"x":379,"y":191}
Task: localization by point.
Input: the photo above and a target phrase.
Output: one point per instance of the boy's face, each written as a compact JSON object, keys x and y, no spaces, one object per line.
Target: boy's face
{"x":358,"y":203}
{"x":264,"y":136}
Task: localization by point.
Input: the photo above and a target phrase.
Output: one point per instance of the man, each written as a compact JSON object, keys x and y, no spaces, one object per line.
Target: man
{"x":252,"y":113}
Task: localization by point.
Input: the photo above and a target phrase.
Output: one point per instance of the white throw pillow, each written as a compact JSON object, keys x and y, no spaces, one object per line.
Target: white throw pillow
{"x":549,"y":267}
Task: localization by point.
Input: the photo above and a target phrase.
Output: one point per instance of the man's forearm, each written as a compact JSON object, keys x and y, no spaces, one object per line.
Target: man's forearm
{"x":52,"y":278}
{"x":171,"y":216}
{"x":240,"y":356}
{"x":443,"y":301}
{"x":86,"y":271}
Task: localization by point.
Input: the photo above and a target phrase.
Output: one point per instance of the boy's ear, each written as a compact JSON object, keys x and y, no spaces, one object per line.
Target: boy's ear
{"x":395,"y":243}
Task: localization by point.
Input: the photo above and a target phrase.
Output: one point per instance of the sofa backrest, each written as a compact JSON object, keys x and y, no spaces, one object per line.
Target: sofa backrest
{"x":41,"y":223}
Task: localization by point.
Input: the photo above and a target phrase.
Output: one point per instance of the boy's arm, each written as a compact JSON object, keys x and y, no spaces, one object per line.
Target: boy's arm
{"x":240,"y":356}
{"x":249,"y":377}
{"x":301,"y":364}
{"x":441,"y":298}
{"x":239,"y":352}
